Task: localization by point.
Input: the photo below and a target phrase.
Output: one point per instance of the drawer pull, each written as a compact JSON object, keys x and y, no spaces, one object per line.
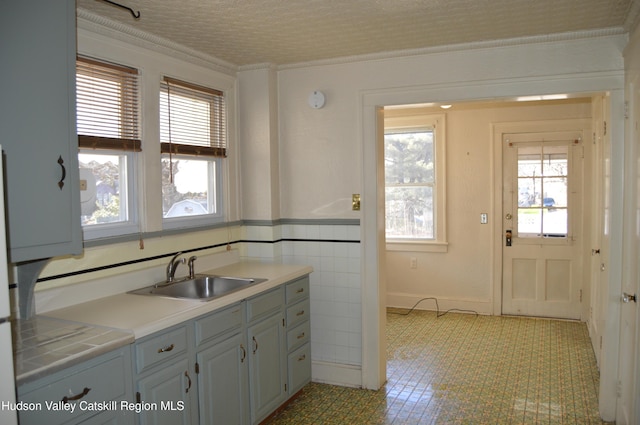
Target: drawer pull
{"x":165,"y":349}
{"x":255,"y":342}
{"x":300,"y":291}
{"x":301,"y":335}
{"x":84,"y":392}
{"x":300,"y":313}
{"x":302,"y":357}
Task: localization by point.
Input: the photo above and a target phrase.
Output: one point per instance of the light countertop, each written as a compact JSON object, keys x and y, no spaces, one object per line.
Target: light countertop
{"x":146,"y":314}
{"x":120,"y":319}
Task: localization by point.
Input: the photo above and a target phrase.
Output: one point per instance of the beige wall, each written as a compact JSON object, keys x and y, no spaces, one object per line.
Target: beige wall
{"x":462,"y":276}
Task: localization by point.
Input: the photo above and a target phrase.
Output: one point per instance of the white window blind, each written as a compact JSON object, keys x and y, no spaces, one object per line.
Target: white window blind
{"x":192,"y":119}
{"x":107,"y":105}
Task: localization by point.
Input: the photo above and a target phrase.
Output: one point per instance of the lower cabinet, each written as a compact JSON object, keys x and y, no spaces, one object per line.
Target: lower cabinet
{"x":222,"y":382}
{"x":233,"y":366}
{"x":267,"y":366}
{"x":90,"y":392}
{"x":165,"y":395}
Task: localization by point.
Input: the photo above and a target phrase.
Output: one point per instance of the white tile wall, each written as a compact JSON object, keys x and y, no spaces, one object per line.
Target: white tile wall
{"x":336,"y":305}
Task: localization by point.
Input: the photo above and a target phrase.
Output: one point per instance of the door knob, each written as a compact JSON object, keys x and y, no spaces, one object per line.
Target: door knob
{"x":628,"y":297}
{"x":508,"y":216}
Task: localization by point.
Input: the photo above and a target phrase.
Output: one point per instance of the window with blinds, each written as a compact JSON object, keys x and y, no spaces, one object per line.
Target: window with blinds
{"x":107,"y":105}
{"x":192,"y":119}
{"x":107,"y":110}
{"x":193,"y":143}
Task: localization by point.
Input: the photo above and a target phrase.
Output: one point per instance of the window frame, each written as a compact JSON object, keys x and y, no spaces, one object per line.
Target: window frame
{"x":218,"y":198}
{"x":126,"y":145}
{"x":214,"y":153}
{"x":397,"y":120}
{"x":124,"y":227}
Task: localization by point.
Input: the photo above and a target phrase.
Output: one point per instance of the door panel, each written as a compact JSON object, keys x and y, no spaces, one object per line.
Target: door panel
{"x":542,"y":224}
{"x":627,"y":409}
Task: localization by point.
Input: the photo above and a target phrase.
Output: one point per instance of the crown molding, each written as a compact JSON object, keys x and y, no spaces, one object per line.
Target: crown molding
{"x":100,"y":25}
{"x":258,"y":66}
{"x":476,"y":45}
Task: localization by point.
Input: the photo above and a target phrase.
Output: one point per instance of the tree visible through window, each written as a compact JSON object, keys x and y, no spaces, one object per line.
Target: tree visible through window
{"x":409,"y":184}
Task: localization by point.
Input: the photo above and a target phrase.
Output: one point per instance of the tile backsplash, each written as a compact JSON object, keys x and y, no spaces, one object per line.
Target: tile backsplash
{"x":333,"y":250}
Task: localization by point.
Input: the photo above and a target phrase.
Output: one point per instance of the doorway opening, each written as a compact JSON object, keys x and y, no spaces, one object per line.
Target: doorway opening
{"x":453,"y":270}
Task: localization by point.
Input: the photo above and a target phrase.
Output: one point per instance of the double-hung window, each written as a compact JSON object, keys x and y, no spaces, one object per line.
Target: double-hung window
{"x":414,"y":181}
{"x":193,"y":143}
{"x":107,"y":104}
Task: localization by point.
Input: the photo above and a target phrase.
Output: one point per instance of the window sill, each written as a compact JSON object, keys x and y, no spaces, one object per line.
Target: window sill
{"x":417,"y":246}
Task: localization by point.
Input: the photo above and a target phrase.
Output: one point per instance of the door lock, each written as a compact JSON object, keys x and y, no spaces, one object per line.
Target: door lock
{"x":628,"y":297}
{"x":507,"y":239}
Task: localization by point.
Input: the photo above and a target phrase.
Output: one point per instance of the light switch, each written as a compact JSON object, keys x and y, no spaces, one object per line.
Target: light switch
{"x":83,"y":185}
{"x":484,"y":218}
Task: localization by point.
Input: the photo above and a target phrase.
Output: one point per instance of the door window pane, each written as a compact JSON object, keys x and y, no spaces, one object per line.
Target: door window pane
{"x":543,"y":181}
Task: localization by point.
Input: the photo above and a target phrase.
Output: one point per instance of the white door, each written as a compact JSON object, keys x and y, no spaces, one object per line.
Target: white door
{"x":542,"y":222}
{"x":628,"y":374}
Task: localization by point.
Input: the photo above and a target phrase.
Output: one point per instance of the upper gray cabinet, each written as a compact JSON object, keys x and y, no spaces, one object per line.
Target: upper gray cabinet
{"x":38,"y":128}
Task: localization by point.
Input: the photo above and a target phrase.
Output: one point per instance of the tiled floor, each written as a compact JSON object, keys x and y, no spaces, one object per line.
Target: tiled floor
{"x":467,"y":369}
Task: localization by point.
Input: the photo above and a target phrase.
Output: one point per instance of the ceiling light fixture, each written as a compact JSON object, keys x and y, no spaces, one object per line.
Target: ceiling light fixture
{"x":445,"y":106}
{"x":542,"y":97}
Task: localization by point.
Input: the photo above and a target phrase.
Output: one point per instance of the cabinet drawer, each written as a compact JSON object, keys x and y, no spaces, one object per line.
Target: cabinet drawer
{"x":160,"y":348}
{"x":298,"y":313}
{"x":299,"y":368}
{"x":298,"y":335}
{"x":102,"y":382}
{"x":265,"y":304}
{"x":297,"y":290}
{"x":218,"y":323}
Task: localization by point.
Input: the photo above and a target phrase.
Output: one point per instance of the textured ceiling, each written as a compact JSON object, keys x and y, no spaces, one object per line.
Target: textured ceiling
{"x":244,"y":32}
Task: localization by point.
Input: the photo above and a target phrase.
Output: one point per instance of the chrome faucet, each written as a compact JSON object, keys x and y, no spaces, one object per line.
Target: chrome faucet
{"x":192,"y":271}
{"x":173,"y":265}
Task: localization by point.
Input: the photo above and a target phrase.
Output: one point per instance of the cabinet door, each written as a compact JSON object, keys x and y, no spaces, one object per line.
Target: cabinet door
{"x":267,"y":366}
{"x":223,"y":383}
{"x":37,"y":118}
{"x":165,"y":396}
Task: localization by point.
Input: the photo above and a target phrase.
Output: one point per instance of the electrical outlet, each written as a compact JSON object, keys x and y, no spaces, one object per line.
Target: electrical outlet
{"x":413,"y":262}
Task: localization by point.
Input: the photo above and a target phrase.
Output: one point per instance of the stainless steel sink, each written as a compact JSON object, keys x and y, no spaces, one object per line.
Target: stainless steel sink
{"x":201,"y":287}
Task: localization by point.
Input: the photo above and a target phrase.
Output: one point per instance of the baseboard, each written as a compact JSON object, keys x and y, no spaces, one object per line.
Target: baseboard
{"x":404,"y":300}
{"x":336,"y":374}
